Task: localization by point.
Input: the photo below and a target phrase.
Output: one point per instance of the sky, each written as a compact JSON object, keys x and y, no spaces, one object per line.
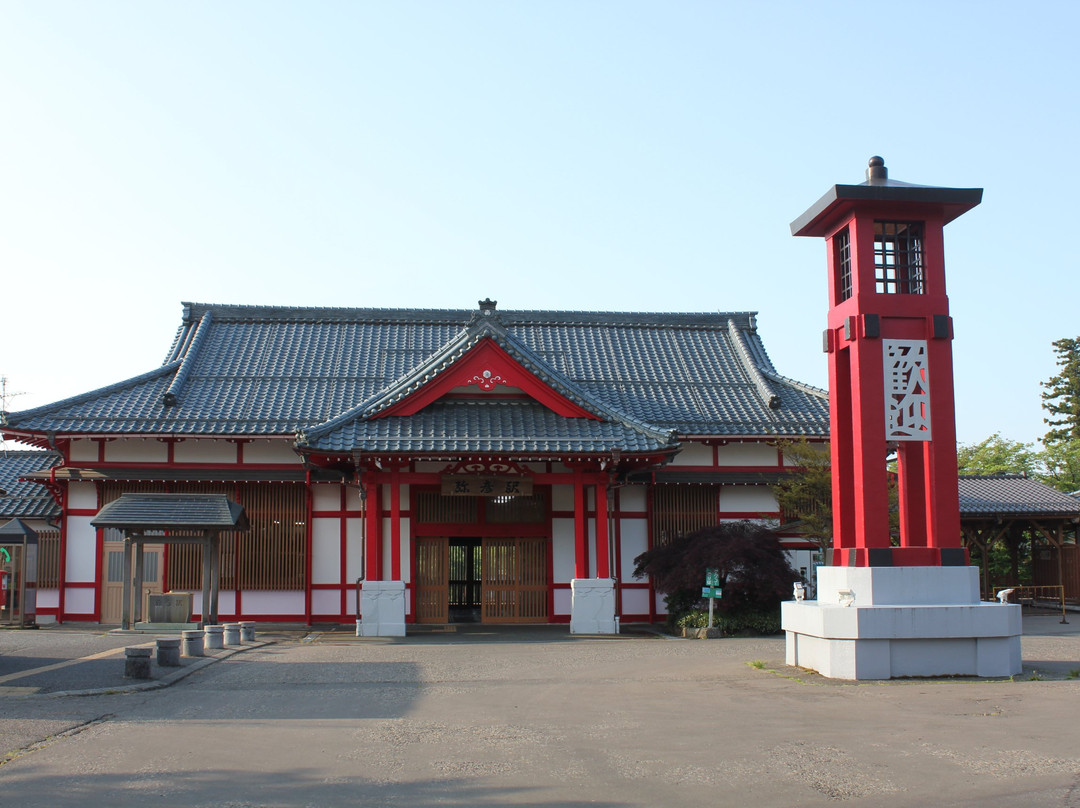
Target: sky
{"x":586,"y":155}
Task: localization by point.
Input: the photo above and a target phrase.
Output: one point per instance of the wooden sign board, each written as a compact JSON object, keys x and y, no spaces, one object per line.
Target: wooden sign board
{"x":472,"y":485}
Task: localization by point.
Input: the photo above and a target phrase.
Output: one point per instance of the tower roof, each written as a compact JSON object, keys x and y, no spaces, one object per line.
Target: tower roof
{"x":880,"y":191}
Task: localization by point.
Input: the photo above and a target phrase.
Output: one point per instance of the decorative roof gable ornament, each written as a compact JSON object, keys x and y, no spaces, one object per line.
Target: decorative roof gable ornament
{"x":487,"y":306}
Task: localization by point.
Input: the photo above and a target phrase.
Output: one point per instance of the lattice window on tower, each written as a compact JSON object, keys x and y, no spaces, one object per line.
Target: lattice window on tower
{"x":907,"y":390}
{"x":842,"y":257}
{"x":898,"y":258}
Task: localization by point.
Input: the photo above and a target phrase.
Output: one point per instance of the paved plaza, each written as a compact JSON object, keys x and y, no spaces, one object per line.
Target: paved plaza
{"x":528,"y":717}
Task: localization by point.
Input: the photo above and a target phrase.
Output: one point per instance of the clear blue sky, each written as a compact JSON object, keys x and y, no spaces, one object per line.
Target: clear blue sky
{"x":569,"y":155}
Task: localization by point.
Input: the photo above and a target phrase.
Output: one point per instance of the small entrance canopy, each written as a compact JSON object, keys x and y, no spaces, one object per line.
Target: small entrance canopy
{"x":188,"y":519}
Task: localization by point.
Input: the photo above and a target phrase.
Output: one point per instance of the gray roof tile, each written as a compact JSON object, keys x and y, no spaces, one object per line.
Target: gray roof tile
{"x":1013,"y":495}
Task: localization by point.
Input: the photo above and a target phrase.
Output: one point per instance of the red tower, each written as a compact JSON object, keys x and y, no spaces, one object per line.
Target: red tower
{"x":889,"y":341}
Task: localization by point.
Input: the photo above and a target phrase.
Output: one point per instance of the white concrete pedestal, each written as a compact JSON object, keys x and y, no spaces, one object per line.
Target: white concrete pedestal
{"x":382,"y":609}
{"x":592,"y":606}
{"x":888,"y":622}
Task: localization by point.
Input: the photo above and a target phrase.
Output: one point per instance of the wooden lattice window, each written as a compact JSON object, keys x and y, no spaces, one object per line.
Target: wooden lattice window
{"x":272,"y":554}
{"x":898,"y":258}
{"x":432,"y":508}
{"x":842,"y":257}
{"x":48,"y":571}
{"x":681,"y":509}
{"x":516,"y":510}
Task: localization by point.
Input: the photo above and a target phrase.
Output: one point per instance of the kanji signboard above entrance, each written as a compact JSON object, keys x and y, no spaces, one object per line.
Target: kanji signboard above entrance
{"x":472,"y":485}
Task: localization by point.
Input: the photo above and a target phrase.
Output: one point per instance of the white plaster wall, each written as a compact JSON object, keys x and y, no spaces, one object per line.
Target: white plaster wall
{"x":79,"y":601}
{"x":635,"y":601}
{"x":325,"y":555}
{"x":562,"y":601}
{"x":226,"y":601}
{"x":354,"y":551}
{"x":406,"y":549}
{"x":752,"y":498}
{"x":820,"y":448}
{"x":136,"y":450}
{"x":632,"y":498}
{"x":81,"y":550}
{"x":634,"y":534}
{"x":326,"y":497}
{"x":83,"y":450}
{"x":270,"y":451}
{"x":562,"y":497}
{"x":273,"y":602}
{"x":195,"y":450}
{"x":48,"y":598}
{"x":747,"y":454}
{"x":325,"y":602}
{"x":562,"y":551}
{"x":694,"y":454}
{"x":353,"y":502}
{"x":82,"y":495}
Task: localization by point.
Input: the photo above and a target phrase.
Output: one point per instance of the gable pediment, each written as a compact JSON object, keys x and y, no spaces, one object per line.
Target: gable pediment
{"x":485,"y":370}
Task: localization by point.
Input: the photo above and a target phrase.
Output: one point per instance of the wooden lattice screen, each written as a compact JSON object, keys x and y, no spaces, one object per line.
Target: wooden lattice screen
{"x":515,"y":580}
{"x":48,"y":571}
{"x":681,"y":509}
{"x":433,"y":508}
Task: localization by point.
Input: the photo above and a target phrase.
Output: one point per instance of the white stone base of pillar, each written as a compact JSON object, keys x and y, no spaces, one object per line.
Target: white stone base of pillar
{"x":889,"y":622}
{"x":382,"y":606}
{"x":592,"y":606}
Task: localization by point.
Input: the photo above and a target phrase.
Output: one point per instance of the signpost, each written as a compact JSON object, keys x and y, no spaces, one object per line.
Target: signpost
{"x":711,"y":590}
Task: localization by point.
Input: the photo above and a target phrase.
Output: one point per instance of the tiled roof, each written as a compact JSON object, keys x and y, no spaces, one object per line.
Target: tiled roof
{"x":1013,"y":495}
{"x":25,"y":500}
{"x":254,"y":370}
{"x":138,"y":512}
{"x":465,"y":427}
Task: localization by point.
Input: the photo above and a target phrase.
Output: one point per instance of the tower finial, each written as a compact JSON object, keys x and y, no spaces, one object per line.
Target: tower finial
{"x":877,"y":174}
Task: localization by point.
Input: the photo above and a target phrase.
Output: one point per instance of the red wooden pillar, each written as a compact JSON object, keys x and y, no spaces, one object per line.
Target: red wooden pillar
{"x":603,"y":562}
{"x":373,"y":515}
{"x":395,"y":524}
{"x":581,"y":547}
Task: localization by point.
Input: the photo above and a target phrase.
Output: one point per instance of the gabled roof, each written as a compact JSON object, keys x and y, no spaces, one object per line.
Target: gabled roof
{"x":25,"y":500}
{"x":271,"y":371}
{"x":1013,"y":495}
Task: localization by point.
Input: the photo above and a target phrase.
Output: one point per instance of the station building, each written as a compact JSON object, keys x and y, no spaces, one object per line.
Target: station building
{"x":487,"y":459}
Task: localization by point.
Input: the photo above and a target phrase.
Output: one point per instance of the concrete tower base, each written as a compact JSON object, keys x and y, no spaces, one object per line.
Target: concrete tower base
{"x":888,"y":622}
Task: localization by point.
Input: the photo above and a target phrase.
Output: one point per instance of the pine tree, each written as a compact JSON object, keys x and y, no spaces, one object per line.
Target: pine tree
{"x":1061,"y":396}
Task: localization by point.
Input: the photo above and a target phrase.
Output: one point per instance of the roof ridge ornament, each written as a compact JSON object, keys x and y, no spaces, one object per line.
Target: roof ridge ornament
{"x":876,"y":172}
{"x":487,"y":306}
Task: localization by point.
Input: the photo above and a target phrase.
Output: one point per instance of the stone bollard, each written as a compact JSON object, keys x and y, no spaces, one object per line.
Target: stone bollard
{"x":247,"y":630}
{"x":137,"y":662}
{"x":168,"y":652}
{"x":214,"y":637}
{"x":231,"y":633}
{"x":193,"y":642}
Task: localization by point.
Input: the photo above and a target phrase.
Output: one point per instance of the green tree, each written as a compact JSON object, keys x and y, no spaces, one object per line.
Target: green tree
{"x":997,"y":455}
{"x":1061,"y":465}
{"x":805,"y":495}
{"x":1061,"y":394}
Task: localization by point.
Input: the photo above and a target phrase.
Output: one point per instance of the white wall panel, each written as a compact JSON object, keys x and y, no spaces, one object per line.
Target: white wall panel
{"x":635,"y":601}
{"x":82,"y":495}
{"x":694,"y":454}
{"x":258,"y":602}
{"x":48,"y":598}
{"x":270,"y":451}
{"x":194,"y":450}
{"x":226,"y":601}
{"x":79,"y":601}
{"x":324,"y":601}
{"x":632,"y":499}
{"x":753,"y":498}
{"x":354,"y":552}
{"x":634,"y":534}
{"x":326,"y":497}
{"x":325,"y":551}
{"x":353,"y":502}
{"x":136,"y":450}
{"x":562,"y":601}
{"x":83,"y":450}
{"x":747,"y":454}
{"x":81,"y":550}
{"x":562,"y":550}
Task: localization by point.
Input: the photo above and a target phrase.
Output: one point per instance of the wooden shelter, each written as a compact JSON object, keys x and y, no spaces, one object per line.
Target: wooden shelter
{"x":1005,"y":507}
{"x":187,"y":519}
